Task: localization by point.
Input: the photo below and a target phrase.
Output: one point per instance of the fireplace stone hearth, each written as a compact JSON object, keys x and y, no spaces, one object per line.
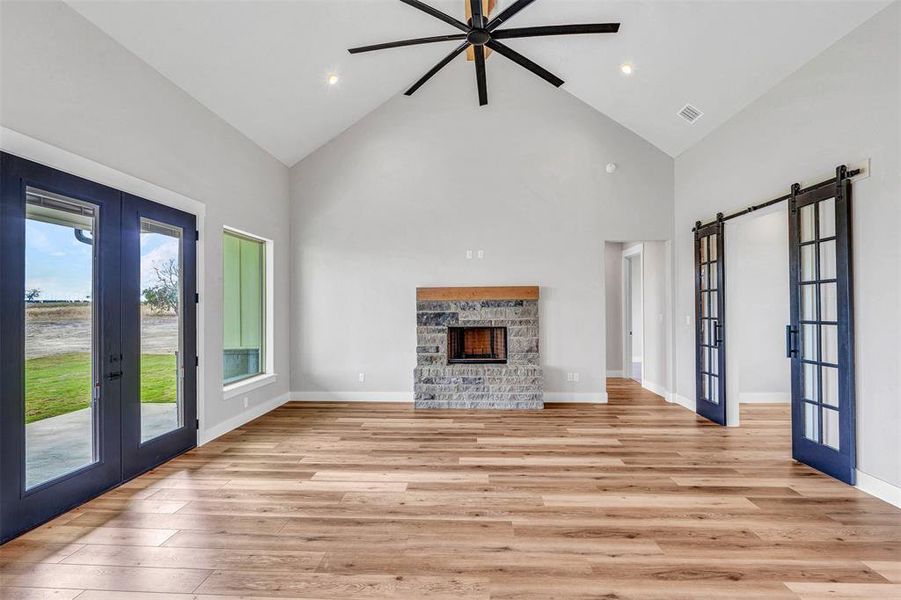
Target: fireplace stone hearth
{"x":492,"y":334}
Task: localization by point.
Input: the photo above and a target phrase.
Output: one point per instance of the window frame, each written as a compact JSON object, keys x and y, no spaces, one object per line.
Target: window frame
{"x":267,"y":374}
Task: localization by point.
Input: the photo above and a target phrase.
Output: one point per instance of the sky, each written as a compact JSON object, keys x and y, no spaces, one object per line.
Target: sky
{"x":60,"y":266}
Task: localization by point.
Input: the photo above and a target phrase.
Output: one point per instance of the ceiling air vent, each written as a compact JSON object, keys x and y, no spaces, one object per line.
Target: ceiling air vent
{"x":690,"y":113}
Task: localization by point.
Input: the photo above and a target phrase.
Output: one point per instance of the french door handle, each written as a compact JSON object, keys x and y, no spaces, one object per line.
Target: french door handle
{"x":717,"y":340}
{"x":790,"y":350}
{"x":114,"y":375}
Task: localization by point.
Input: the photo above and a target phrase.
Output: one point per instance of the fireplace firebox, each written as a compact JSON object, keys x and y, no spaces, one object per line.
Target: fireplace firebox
{"x":477,"y":345}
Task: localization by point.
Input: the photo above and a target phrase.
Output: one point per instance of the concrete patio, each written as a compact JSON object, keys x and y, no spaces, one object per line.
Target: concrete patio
{"x":63,"y":443}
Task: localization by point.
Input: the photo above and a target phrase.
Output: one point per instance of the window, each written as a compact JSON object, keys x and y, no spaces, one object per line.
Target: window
{"x":244,"y":304}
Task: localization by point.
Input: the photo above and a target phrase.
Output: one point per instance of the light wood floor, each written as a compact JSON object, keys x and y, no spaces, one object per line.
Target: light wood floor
{"x":634,"y":499}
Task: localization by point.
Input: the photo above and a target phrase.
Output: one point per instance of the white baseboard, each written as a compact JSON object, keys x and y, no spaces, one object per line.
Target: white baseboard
{"x":880,"y":489}
{"x":615,"y":374}
{"x":352,"y":396}
{"x":208,"y":434}
{"x":657,"y":389}
{"x":688,"y":403}
{"x":764,"y":398}
{"x":581,"y":397}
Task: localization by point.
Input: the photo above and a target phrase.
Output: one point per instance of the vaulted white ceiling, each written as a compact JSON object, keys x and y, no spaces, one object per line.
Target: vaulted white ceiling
{"x":262,"y":65}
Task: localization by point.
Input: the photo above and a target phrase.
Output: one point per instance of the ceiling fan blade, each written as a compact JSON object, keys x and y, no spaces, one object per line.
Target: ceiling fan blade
{"x":507,"y":13}
{"x":523,"y":32}
{"x":481,"y":79}
{"x":525,"y":62}
{"x":477,"y":18}
{"x":437,"y":14}
{"x":411,"y":42}
{"x":437,"y":68}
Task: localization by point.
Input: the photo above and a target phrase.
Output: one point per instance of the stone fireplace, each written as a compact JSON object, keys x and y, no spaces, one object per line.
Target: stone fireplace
{"x":477,"y":348}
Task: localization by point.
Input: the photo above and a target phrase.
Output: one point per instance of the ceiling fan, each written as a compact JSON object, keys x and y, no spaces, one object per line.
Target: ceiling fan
{"x":482,"y":33}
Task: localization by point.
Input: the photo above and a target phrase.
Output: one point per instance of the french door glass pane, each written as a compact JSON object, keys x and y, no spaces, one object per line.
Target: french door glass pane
{"x":830,"y":428}
{"x":829,"y":338}
{"x":827,"y":218}
{"x":712,"y":251}
{"x":807,"y":223}
{"x":830,"y":386}
{"x":704,"y":249}
{"x":714,"y":306}
{"x":811,"y":422}
{"x":809,"y":342}
{"x":714,"y":390}
{"x":828,"y":302}
{"x":808,"y":302}
{"x":161,"y":356}
{"x":827,"y":260}
{"x":808,"y":263}
{"x":809,"y":382}
{"x":59,"y":335}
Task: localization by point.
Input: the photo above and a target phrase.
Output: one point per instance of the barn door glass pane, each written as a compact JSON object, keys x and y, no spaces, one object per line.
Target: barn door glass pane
{"x":161,"y":332}
{"x":60,"y":345}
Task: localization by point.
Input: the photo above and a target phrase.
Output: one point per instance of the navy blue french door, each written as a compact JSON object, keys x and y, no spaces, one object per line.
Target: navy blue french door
{"x":820,"y":338}
{"x":710,"y":309}
{"x":154,"y":432}
{"x":97,"y":340}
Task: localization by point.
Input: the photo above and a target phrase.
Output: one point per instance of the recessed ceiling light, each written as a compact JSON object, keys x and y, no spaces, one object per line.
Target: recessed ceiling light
{"x":332,"y":79}
{"x":626,"y":68}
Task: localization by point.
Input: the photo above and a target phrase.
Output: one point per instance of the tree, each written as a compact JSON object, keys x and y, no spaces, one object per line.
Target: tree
{"x":162,"y":296}
{"x":32,"y":295}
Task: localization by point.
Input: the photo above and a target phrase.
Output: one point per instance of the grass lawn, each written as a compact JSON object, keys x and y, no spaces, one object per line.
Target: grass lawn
{"x":59,"y":384}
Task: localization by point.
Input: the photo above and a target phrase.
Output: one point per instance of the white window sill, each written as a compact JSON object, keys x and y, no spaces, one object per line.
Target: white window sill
{"x":248,"y":385}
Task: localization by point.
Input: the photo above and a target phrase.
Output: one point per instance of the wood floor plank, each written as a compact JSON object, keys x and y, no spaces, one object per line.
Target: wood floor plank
{"x":635,"y":499}
{"x":142,"y":579}
{"x":198,"y":558}
{"x":327,"y":586}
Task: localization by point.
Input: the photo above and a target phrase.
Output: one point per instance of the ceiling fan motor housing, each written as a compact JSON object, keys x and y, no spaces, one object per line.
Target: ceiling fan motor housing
{"x":478,"y":37}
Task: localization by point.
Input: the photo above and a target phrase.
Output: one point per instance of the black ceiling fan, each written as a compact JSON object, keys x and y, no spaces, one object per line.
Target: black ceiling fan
{"x":482,"y":33}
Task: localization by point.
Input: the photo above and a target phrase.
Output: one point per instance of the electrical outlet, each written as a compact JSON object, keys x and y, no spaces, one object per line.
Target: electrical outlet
{"x":361,"y":377}
{"x":481,"y":254}
{"x":246,"y":401}
{"x":576,"y":376}
{"x":469,"y":254}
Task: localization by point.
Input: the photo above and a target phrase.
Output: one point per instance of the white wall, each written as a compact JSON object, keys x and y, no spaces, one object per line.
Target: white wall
{"x":68,"y":84}
{"x":613,"y":288}
{"x":757,"y":305}
{"x":655,"y":367}
{"x":395,"y":201}
{"x":839,"y":108}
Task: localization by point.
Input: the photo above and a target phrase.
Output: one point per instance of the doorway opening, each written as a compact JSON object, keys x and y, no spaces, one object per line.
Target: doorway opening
{"x":757,"y":309}
{"x":638,"y":313}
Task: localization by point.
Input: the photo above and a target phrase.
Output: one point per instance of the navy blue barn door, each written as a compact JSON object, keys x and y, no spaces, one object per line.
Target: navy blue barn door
{"x":710,"y":309}
{"x":820,"y":338}
{"x":97,"y":383}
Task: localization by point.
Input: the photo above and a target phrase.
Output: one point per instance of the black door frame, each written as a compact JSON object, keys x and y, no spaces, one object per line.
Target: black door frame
{"x":840,"y":463}
{"x":711,"y":338}
{"x":22,"y":509}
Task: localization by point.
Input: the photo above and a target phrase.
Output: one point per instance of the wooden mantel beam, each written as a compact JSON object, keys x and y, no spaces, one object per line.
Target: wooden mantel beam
{"x":510,"y":292}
